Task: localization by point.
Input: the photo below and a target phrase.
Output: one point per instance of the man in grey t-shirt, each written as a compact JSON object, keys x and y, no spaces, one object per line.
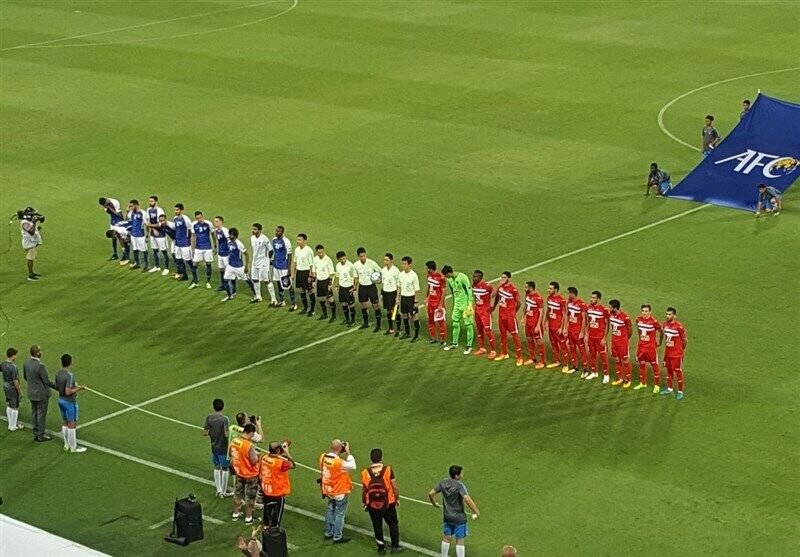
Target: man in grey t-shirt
{"x":454,"y":497}
{"x":710,"y":136}
{"x":68,"y":389}
{"x":216,"y":429}
{"x":11,"y":388}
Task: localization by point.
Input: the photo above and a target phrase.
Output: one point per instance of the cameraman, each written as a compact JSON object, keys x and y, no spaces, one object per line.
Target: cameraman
{"x":275,"y":484}
{"x":31,"y":239}
{"x":242,"y":420}
{"x":336,"y":487}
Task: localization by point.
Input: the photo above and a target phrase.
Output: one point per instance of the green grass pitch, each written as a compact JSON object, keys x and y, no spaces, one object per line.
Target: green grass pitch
{"x":482,"y":134}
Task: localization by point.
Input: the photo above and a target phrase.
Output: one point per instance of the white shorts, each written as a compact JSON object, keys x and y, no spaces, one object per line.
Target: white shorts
{"x":158,"y":243}
{"x":278,"y":274}
{"x":222,"y":261}
{"x":138,"y":244}
{"x":184,"y":254}
{"x":234,"y":273}
{"x":203,"y":255}
{"x":260,"y":274}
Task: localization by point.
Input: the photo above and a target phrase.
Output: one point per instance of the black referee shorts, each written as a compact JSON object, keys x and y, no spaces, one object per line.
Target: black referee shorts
{"x":324,"y":288}
{"x":301,"y":280}
{"x":346,"y":295}
{"x":408,"y":304}
{"x":389,"y":300}
{"x":368,"y":292}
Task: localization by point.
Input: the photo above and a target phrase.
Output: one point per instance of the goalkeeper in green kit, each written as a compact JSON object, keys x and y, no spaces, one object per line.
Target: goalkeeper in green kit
{"x":463,"y":311}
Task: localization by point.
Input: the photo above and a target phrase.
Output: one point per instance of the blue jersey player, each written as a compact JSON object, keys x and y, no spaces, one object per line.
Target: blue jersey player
{"x":158,"y":240}
{"x":281,"y":263}
{"x":238,"y":258}
{"x":202,"y":247}
{"x":221,"y":241}
{"x":138,"y":231}
{"x":182,"y":246}
{"x":112,"y":209}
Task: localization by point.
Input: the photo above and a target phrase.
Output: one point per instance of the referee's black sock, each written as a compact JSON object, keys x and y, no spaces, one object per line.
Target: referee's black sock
{"x":348,"y":317}
{"x":389,"y":320}
{"x":378,"y":318}
{"x":406,"y":325}
{"x":333,"y":308}
{"x":399,"y":317}
{"x":313,"y":303}
{"x":416,"y":329}
{"x":364,"y":316}
{"x":304,"y":300}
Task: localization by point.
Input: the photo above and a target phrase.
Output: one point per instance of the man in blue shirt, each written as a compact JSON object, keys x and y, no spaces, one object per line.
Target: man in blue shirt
{"x":158,"y":240}
{"x":281,"y":263}
{"x":137,"y":219}
{"x":658,"y":179}
{"x":112,"y":209}
{"x":202,"y":247}
{"x":769,"y":198}
{"x":121,"y":232}
{"x":182,"y":246}
{"x":238,"y":259}
{"x":221,"y":242}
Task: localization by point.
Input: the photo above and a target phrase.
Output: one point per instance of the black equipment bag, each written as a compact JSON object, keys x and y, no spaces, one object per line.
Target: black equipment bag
{"x":188,"y":519}
{"x":273,"y":543}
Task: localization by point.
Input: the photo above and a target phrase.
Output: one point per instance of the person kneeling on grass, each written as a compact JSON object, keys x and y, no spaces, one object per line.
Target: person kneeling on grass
{"x":658,"y":179}
{"x":769,"y":198}
{"x":251,"y":547}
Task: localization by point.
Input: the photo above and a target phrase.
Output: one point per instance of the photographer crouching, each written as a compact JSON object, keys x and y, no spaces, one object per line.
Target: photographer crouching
{"x":29,"y":219}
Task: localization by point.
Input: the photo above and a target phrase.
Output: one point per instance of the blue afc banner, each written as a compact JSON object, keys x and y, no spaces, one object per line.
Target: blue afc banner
{"x":763,"y":148}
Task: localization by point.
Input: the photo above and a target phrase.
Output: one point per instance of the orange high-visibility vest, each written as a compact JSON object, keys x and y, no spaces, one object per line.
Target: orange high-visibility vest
{"x":335,"y":481}
{"x":386,"y":473}
{"x":274,"y":480}
{"x":240,"y":458}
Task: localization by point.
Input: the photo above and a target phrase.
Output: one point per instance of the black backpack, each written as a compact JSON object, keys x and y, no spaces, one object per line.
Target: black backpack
{"x":377,"y":490}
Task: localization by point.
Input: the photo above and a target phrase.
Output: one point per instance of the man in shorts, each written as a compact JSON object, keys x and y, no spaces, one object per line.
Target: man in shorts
{"x":237,"y":261}
{"x":11,"y":389}
{"x":216,"y":429}
{"x":367,"y":289}
{"x":454,"y":497}
{"x":769,"y":199}
{"x":322,"y":270}
{"x":67,"y":391}
{"x":245,"y":465}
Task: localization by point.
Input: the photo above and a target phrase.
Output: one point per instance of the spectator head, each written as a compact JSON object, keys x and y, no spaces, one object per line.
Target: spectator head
{"x":218,"y":405}
{"x":11,"y":352}
{"x":66,"y":360}
{"x":455,"y":471}
{"x":376,"y":455}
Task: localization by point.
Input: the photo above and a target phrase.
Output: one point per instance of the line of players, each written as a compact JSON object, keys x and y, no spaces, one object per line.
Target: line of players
{"x":578,"y":333}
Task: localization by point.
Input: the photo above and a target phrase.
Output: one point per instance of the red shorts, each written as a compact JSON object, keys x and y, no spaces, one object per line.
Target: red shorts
{"x":572,"y":338}
{"x":597,"y":346}
{"x":529,"y":331}
{"x":674,"y":363}
{"x":508,"y":323}
{"x":647,"y":355}
{"x":483,"y":319}
{"x":556,"y":338}
{"x":620,"y":351}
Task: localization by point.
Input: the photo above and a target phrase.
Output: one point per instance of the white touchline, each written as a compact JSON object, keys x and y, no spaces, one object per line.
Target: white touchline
{"x":205,"y":481}
{"x":707,"y":86}
{"x":131,"y":407}
{"x":49,"y":44}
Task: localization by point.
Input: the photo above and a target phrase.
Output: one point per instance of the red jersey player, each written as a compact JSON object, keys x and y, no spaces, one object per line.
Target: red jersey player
{"x":674,"y":346}
{"x":646,"y":351}
{"x":557,"y":327}
{"x":534,"y":324}
{"x":507,"y":298}
{"x":621,"y":330}
{"x":436,"y":286}
{"x":482,"y":291}
{"x":595,"y":328}
{"x":576,"y":309}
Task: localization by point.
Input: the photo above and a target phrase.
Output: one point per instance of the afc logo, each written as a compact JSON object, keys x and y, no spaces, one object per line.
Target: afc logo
{"x":772,"y":166}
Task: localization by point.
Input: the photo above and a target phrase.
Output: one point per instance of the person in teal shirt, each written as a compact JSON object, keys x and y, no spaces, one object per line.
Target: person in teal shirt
{"x":463,"y":311}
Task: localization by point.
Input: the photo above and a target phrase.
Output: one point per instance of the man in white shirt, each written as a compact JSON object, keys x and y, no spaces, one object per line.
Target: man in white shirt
{"x":390,"y":293}
{"x":260,"y":271}
{"x":346,"y":279}
{"x":409,"y":286}
{"x":321,"y":271}
{"x":367,"y":271}
{"x":31,"y":240}
{"x":302,"y":262}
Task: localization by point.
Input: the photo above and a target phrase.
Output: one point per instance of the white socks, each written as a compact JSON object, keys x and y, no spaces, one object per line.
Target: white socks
{"x":257,"y":288}
{"x":65,"y":435}
{"x":13,"y":415}
{"x":223,"y":482}
{"x":218,"y":479}
{"x":72,"y":438}
{"x":445,"y":548}
{"x":271,"y":290}
{"x":461,"y":551}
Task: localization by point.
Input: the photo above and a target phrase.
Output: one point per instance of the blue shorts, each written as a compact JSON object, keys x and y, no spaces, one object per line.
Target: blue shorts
{"x":69,"y":410}
{"x":665,"y":187}
{"x":220,"y":460}
{"x":457,"y":531}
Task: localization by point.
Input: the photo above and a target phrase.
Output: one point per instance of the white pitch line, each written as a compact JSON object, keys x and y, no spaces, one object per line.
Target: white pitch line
{"x":49,"y":44}
{"x":204,"y":481}
{"x":707,"y":86}
{"x":157,"y":525}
